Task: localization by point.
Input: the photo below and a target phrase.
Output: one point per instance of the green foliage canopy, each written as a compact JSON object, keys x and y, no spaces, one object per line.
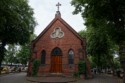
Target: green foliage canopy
{"x":10,"y":55}
{"x":110,"y":12}
{"x":16,"y":21}
{"x":24,"y":54}
{"x":106,"y":19}
{"x":25,"y":51}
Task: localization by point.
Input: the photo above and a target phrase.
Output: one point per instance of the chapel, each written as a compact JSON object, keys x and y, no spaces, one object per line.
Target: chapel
{"x":59,"y":49}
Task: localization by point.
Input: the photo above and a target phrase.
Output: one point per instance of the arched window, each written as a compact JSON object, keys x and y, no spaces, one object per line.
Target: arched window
{"x":71,"y":57}
{"x":43,"y":57}
{"x":56,"y":51}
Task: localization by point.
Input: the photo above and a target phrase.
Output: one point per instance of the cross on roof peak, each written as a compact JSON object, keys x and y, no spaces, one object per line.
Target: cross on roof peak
{"x":58,"y":4}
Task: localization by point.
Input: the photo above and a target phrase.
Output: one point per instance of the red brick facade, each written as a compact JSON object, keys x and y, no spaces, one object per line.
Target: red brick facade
{"x":70,"y":40}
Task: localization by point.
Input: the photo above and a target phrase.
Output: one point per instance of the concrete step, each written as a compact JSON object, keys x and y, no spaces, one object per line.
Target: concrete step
{"x":50,"y":79}
{"x":55,"y":75}
{"x":53,"y":82}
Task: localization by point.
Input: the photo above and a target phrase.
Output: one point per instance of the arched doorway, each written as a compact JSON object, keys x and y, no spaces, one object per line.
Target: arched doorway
{"x":56,"y":60}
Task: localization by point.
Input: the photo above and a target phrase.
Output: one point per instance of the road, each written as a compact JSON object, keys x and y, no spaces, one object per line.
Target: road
{"x":13,"y":78}
{"x":21,"y":78}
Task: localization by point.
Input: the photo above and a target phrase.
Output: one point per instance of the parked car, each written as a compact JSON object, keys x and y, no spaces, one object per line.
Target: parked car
{"x":24,"y":69}
{"x":120,"y":73}
{"x":5,"y":70}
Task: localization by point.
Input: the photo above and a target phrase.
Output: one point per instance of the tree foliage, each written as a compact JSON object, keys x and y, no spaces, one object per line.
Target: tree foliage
{"x":82,"y":67}
{"x":107,"y":16}
{"x":110,"y":12}
{"x":10,"y":55}
{"x":100,"y":48}
{"x":16,"y":20}
{"x":23,"y":54}
{"x":83,"y":33}
{"x":16,"y":23}
{"x":35,"y":68}
{"x":25,"y":51}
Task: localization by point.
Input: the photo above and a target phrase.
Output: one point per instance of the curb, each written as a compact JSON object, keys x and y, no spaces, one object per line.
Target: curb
{"x":48,"y":81}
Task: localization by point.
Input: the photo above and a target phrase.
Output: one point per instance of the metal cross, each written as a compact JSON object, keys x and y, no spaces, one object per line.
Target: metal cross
{"x":58,"y":4}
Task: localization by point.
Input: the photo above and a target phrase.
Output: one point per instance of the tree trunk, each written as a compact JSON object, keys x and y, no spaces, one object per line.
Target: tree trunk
{"x":2,"y":53}
{"x":112,"y":67}
{"x":122,"y":56}
{"x":11,"y":63}
{"x":99,"y":64}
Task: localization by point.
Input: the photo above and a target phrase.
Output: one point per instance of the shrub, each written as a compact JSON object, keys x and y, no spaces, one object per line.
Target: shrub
{"x":82,"y":67}
{"x":35,"y":68}
{"x":76,"y":74}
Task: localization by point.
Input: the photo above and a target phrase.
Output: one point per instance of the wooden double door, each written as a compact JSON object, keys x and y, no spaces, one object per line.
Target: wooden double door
{"x":56,"y":61}
{"x":56,"y":64}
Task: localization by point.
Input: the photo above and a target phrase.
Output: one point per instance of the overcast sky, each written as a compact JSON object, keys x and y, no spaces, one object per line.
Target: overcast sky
{"x":44,"y":13}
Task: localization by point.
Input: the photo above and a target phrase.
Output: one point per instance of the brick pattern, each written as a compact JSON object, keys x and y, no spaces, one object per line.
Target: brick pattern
{"x":69,"y":41}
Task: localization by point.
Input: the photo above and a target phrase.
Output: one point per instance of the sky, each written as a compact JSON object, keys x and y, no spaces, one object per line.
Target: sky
{"x":45,"y":10}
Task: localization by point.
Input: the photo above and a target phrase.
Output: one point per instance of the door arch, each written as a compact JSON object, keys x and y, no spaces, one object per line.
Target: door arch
{"x":56,"y":60}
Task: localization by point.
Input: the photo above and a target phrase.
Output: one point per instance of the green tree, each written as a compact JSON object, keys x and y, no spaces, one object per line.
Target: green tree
{"x":25,"y":51}
{"x":116,"y":63}
{"x":23,"y":54}
{"x":99,"y":43}
{"x":10,"y":55}
{"x":111,"y":13}
{"x":16,"y":23}
{"x":83,"y":33}
{"x":98,"y":46}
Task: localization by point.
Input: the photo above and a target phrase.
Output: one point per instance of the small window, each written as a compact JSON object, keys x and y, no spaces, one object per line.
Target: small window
{"x":43,"y":57}
{"x":71,"y":57}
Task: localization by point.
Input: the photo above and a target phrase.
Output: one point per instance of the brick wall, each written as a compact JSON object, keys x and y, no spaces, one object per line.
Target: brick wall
{"x":69,"y":41}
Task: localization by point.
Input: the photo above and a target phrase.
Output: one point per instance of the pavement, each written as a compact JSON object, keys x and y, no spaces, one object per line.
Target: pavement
{"x":13,"y":78}
{"x":102,"y":78}
{"x":21,"y":78}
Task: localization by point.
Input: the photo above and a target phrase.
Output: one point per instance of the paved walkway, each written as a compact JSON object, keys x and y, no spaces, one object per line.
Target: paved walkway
{"x":21,"y":78}
{"x":13,"y":78}
{"x":103,"y":78}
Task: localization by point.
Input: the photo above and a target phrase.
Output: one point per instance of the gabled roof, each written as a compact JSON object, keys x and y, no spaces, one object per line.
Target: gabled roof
{"x":58,"y":17}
